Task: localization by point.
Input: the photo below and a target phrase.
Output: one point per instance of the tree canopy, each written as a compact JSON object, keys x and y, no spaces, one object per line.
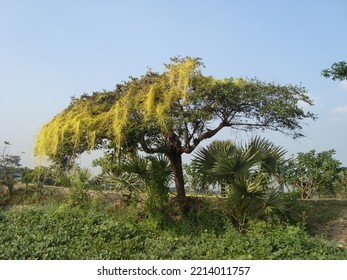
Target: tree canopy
{"x":313,"y":173}
{"x":337,"y":71}
{"x":171,"y":113}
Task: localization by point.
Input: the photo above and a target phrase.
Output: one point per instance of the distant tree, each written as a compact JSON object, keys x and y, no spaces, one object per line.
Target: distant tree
{"x":337,"y":71}
{"x":171,"y":113}
{"x":313,"y":173}
{"x":9,"y":164}
{"x":196,"y":181}
{"x":27,"y":176}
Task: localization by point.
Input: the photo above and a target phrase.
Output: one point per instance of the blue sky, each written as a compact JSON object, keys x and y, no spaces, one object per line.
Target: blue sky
{"x":52,"y":50}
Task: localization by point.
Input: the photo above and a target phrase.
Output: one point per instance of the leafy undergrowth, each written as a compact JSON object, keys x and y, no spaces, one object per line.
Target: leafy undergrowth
{"x":103,"y":231}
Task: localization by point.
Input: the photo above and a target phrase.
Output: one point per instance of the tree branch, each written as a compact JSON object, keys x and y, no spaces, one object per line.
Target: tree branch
{"x":152,"y":150}
{"x":203,"y":136}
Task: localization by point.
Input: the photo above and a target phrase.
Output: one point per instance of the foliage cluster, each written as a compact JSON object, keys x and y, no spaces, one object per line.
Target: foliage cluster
{"x":314,"y":174}
{"x":9,"y":165}
{"x":79,"y":181}
{"x":337,"y":71}
{"x":143,"y":178}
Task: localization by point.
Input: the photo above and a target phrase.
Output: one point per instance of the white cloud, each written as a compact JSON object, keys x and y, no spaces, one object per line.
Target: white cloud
{"x":315,"y":98}
{"x":341,"y":110}
{"x":343,"y":85}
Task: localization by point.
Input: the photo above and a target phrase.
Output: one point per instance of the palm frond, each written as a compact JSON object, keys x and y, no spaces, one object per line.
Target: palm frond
{"x":126,"y":182}
{"x":208,"y":160}
{"x":136,"y":164}
{"x":275,"y":201}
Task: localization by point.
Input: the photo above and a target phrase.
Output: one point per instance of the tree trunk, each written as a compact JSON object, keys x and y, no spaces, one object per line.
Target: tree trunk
{"x":175,"y":158}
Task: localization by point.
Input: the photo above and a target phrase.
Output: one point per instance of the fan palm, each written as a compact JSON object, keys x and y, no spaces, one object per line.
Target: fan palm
{"x":143,"y":176}
{"x":247,"y":171}
{"x":206,"y":159}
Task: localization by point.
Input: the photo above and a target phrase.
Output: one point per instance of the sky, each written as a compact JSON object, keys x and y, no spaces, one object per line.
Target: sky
{"x":53,"y":50}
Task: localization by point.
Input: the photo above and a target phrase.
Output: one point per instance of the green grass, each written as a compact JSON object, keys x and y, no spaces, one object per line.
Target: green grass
{"x":47,"y":229}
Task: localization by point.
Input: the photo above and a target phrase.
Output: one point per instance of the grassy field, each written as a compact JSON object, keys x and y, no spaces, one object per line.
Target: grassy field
{"x":105,"y":228}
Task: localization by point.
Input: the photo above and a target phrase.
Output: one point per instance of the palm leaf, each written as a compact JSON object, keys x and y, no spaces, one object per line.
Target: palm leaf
{"x":136,"y":164}
{"x":275,"y":201}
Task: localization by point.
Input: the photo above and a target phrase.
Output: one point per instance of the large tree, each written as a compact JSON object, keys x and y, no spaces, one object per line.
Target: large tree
{"x":171,"y":113}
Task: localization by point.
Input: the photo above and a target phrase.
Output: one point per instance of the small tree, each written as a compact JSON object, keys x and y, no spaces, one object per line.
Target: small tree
{"x":9,"y":164}
{"x":313,"y":173}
